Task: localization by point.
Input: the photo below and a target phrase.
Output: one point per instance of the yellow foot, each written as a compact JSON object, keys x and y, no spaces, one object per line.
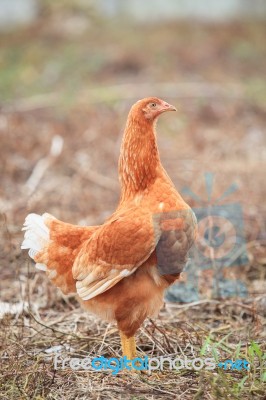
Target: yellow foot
{"x":128,"y":346}
{"x":129,"y":351}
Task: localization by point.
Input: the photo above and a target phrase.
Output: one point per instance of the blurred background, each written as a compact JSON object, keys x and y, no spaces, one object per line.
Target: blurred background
{"x":69,"y":72}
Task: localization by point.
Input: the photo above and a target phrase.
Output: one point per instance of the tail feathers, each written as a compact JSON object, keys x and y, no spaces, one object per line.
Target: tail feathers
{"x":53,"y":245}
{"x":36,"y":235}
{"x":41,"y":267}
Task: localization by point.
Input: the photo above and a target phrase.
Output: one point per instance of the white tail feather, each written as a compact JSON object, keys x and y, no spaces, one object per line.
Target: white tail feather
{"x":36,"y":236}
{"x":41,"y":267}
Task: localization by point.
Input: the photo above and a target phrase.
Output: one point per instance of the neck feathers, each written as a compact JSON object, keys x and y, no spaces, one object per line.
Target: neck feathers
{"x":139,"y":158}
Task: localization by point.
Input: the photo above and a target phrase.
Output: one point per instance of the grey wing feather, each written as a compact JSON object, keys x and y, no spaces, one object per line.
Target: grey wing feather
{"x":173,"y":246}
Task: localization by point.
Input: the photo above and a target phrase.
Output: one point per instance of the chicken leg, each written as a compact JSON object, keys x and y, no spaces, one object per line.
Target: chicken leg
{"x":128,"y":346}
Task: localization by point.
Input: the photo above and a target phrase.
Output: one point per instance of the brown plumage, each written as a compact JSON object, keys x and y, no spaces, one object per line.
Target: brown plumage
{"x":119,"y":270}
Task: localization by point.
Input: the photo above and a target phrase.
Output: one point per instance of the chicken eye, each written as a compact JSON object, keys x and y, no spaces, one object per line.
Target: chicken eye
{"x":153,"y":105}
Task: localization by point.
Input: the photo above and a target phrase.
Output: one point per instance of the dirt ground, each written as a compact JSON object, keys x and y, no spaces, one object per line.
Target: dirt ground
{"x":64,"y":97}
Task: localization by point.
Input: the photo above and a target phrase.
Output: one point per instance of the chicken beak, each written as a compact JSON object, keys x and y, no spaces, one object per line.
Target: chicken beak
{"x":168,"y":107}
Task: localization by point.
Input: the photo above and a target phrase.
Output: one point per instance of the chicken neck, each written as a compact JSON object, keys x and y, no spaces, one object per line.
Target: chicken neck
{"x":139,"y":160}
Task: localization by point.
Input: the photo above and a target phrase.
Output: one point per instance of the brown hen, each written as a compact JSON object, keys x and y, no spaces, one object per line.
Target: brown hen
{"x":119,"y":270}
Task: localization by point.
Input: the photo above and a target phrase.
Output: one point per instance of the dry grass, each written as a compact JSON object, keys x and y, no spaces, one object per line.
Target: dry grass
{"x":220,"y":129}
{"x":222,"y":328}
